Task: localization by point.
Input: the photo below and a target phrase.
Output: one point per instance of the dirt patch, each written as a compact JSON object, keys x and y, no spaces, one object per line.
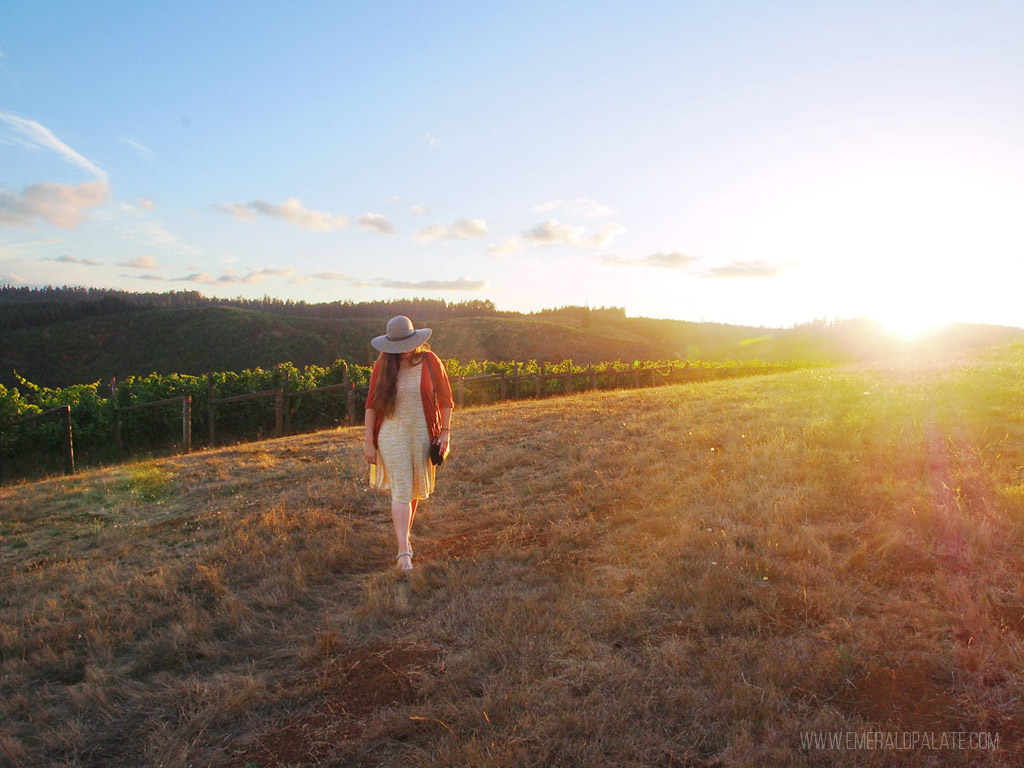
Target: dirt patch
{"x":351,"y":688}
{"x":905,"y":695}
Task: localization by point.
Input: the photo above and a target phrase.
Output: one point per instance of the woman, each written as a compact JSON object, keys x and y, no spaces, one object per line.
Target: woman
{"x":409,"y":407}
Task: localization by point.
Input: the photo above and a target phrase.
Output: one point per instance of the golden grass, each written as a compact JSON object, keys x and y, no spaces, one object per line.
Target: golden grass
{"x":688,"y":575}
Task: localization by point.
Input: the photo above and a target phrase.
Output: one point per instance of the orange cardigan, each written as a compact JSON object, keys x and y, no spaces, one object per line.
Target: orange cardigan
{"x":431,"y":405}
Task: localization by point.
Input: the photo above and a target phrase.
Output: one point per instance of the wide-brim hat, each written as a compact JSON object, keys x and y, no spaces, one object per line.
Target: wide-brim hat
{"x":401,"y":336}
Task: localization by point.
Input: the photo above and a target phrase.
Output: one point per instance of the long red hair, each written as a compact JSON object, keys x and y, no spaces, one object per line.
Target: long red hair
{"x":386,"y":391}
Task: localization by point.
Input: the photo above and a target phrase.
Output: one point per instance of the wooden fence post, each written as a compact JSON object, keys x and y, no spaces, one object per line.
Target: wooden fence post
{"x":287,"y":403}
{"x":593,"y":376}
{"x":636,"y":377}
{"x":462,"y":381}
{"x":515,"y":383}
{"x":69,"y":451}
{"x":209,"y":409}
{"x":503,"y":386}
{"x":278,"y":412}
{"x":540,"y":379}
{"x":568,"y":379}
{"x":350,"y":396}
{"x":118,"y":451}
{"x":186,"y":424}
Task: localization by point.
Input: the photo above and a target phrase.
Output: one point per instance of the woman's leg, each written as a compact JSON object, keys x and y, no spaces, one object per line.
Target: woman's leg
{"x":401,"y":514}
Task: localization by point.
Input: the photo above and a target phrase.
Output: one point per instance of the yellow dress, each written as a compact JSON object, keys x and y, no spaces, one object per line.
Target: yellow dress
{"x":403,"y":445}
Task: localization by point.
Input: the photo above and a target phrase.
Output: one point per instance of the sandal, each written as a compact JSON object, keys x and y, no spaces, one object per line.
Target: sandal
{"x":406,"y":566}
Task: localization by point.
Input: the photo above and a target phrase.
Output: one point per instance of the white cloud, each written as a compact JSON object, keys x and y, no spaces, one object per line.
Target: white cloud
{"x":6,"y":278}
{"x":463,"y":229}
{"x":376,"y":223}
{"x":252,"y":278}
{"x":277,"y":272}
{"x":420,"y":210}
{"x":395,"y":199}
{"x":145,"y":202}
{"x":198,"y":277}
{"x":433,"y":140}
{"x":551,"y":232}
{"x":68,"y":258}
{"x":140,"y":262}
{"x":507,"y":247}
{"x":146,"y":276}
{"x":291,"y":210}
{"x":300,"y":280}
{"x":329,"y":276}
{"x":37,"y":136}
{"x":581,"y":206}
{"x":739,"y":269}
{"x":462,"y":284}
{"x":672,"y":260}
{"x":142,"y":149}
{"x":62,"y":205}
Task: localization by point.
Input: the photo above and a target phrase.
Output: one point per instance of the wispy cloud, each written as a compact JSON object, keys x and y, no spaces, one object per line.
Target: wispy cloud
{"x":62,"y":205}
{"x":228,"y":278}
{"x":145,"y":227}
{"x":140,"y":262}
{"x":462,"y":284}
{"x":142,"y":149}
{"x":756,"y":268}
{"x":68,"y":258}
{"x":506,"y":247}
{"x":290,"y":210}
{"x":6,"y":278}
{"x":420,"y":210}
{"x":581,"y":206}
{"x":432,"y":140}
{"x":671,"y":260}
{"x":551,"y":232}
{"x":330,"y":276}
{"x":35,"y":135}
{"x":376,"y":223}
{"x":277,"y":271}
{"x":463,"y":229}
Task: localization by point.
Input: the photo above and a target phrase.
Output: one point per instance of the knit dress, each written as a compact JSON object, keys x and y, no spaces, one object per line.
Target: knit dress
{"x":403,"y":445}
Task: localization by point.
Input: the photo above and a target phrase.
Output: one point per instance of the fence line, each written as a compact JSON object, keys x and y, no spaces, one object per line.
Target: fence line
{"x":66,"y":438}
{"x":465,"y":386}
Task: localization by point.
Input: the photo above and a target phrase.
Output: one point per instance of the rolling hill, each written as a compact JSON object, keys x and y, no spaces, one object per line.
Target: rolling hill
{"x":111,"y":336}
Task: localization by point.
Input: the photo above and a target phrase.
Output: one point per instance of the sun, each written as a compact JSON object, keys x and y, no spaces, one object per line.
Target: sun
{"x":909,"y":324}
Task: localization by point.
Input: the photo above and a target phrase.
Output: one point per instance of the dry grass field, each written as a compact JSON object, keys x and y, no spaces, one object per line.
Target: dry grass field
{"x":695,"y":575}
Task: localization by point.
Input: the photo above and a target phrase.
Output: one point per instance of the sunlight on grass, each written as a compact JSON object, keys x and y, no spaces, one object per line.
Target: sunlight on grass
{"x":687,"y":575}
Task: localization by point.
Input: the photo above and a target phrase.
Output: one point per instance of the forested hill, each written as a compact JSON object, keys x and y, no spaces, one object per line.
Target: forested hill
{"x":62,"y":336}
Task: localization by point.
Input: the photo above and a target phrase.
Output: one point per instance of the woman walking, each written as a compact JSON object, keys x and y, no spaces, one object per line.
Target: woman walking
{"x":408,"y":408}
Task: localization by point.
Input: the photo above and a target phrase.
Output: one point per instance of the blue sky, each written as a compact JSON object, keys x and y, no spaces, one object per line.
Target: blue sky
{"x":764,"y":163}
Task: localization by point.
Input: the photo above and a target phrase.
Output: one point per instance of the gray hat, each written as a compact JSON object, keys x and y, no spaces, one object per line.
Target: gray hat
{"x":401,"y":336}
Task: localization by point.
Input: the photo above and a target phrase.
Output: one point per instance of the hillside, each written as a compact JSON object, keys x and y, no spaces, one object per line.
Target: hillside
{"x":708,"y":574}
{"x":194,"y":341}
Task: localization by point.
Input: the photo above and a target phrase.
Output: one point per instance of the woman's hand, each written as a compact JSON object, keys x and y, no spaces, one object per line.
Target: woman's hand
{"x":369,"y":453}
{"x":444,"y":441}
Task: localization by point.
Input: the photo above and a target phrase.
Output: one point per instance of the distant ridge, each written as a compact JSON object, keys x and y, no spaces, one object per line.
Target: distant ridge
{"x":67,"y":335}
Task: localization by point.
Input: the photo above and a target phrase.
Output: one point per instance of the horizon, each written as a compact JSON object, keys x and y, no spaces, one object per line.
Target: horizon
{"x":907,"y":334}
{"x":741,"y":164}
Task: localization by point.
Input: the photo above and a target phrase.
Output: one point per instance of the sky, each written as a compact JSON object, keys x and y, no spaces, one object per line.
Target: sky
{"x":763,"y":163}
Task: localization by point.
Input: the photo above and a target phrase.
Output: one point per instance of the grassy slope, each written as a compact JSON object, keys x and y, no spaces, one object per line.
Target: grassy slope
{"x":194,"y":341}
{"x":689,"y":575}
